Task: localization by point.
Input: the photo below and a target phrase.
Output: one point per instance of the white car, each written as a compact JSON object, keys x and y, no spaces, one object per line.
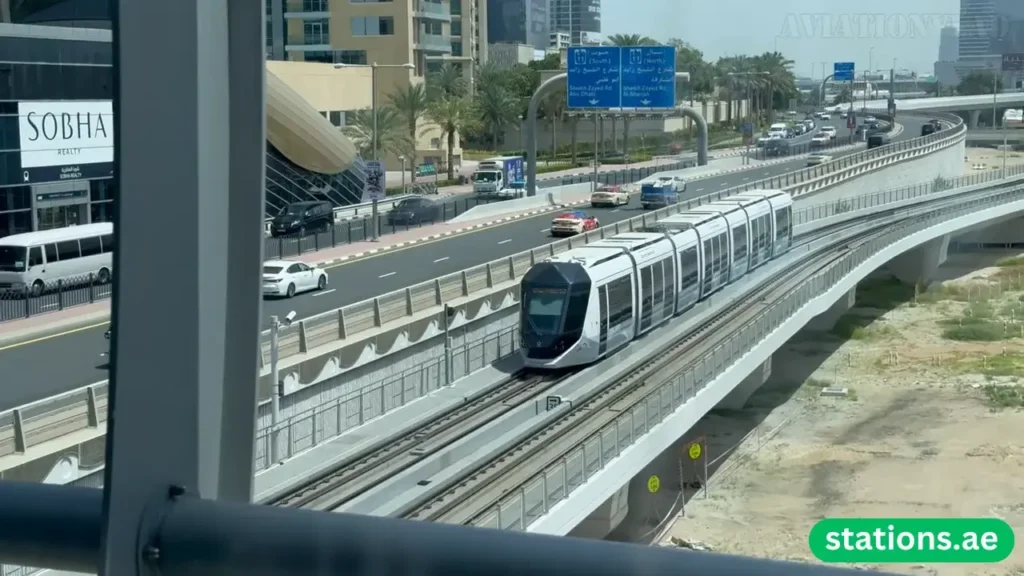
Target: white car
{"x":679,"y":181}
{"x":830,"y":131}
{"x":609,"y":195}
{"x":287,"y":278}
{"x":821,"y":139}
{"x":826,"y":116}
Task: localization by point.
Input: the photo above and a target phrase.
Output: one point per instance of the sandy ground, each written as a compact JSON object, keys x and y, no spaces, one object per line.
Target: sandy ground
{"x":931,"y":425}
{"x":992,"y":159}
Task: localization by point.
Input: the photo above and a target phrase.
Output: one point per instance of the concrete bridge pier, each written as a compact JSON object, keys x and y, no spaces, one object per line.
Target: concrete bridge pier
{"x":737,"y":399}
{"x":606,"y":518}
{"x":827,"y":320}
{"x":918,"y":266}
{"x":972,"y":121}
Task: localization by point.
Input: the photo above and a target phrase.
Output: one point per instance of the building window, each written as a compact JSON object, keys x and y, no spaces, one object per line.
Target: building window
{"x":456,"y":7}
{"x":348,"y":117}
{"x":370,"y":1}
{"x":336,"y":117}
{"x":456,"y":48}
{"x":316,"y":32}
{"x":350,"y":57}
{"x":316,"y":6}
{"x":373,"y":26}
{"x":456,"y":28}
{"x":320,"y":56}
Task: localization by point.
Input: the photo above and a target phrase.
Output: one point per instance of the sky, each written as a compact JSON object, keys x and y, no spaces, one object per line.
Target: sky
{"x":869,"y":32}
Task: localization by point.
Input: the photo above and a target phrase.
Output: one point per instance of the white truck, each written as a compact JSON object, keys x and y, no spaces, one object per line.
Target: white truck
{"x":500,"y":177}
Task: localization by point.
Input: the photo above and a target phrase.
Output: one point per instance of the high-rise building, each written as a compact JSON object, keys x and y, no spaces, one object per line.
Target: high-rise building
{"x":360,"y":32}
{"x":518,"y":22}
{"x":989,"y":29}
{"x":580,"y":18}
{"x":948,"y":48}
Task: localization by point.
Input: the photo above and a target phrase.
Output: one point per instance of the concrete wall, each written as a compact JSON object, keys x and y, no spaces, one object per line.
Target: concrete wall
{"x":947,"y":163}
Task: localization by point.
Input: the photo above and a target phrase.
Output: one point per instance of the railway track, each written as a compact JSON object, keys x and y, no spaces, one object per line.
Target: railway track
{"x":461,"y":502}
{"x":363,"y":473}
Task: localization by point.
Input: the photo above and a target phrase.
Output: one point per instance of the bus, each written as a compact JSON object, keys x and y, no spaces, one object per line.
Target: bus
{"x":36,"y":261}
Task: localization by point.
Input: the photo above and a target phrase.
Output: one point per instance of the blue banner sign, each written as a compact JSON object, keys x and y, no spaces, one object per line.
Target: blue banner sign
{"x":621,"y":77}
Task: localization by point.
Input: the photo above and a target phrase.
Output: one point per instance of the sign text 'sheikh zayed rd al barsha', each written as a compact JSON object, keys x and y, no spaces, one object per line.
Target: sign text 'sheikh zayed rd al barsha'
{"x":62,"y":133}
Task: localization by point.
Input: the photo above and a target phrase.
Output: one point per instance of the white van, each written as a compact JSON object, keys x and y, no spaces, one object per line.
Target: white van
{"x":37,"y":260}
{"x":778,"y":128}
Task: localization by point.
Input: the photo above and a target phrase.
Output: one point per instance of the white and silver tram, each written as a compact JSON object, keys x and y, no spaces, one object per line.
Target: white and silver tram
{"x":581,"y":305}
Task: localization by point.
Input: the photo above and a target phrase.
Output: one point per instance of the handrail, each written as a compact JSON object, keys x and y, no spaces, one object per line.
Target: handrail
{"x":368,"y":315}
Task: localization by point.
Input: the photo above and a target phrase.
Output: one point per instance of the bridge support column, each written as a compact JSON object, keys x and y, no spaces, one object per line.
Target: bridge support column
{"x":973,"y":117}
{"x":826,"y":321}
{"x":606,"y":518}
{"x":737,"y":399}
{"x":918,"y":266}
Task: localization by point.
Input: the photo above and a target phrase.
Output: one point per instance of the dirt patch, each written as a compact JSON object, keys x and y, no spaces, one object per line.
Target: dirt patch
{"x":931,"y":423}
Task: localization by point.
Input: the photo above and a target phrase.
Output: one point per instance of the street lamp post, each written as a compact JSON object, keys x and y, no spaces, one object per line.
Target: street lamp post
{"x":750,"y":112}
{"x":374,"y":140}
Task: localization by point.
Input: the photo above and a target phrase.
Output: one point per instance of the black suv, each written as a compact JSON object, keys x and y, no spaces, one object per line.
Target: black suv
{"x":412,"y":211}
{"x":301,"y":218}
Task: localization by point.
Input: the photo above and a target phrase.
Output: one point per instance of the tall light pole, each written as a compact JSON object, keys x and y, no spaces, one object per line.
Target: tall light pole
{"x":374,"y":140}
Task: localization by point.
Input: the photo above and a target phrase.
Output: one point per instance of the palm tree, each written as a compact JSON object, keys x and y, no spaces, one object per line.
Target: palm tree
{"x":630,"y":40}
{"x":453,"y":115}
{"x":391,"y":136}
{"x":448,"y":81}
{"x":778,"y":74}
{"x":410,"y":102}
{"x":498,"y":109}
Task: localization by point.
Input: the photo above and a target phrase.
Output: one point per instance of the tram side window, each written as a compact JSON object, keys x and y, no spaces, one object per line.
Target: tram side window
{"x":90,"y":246}
{"x":602,"y":297}
{"x":688,"y":268}
{"x":658,"y":280}
{"x":108,"y":242}
{"x":646,"y":297}
{"x":739,"y":242}
{"x":670,"y":283}
{"x":765,"y":231}
{"x":709,"y":262}
{"x":782,"y":223}
{"x":620,"y":301}
{"x":51,"y":253}
{"x":68,"y":250}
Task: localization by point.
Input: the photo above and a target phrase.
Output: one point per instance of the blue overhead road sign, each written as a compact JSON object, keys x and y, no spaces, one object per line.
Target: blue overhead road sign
{"x":621,"y":77}
{"x":842,"y":72}
{"x":648,"y":77}
{"x":594,"y":76}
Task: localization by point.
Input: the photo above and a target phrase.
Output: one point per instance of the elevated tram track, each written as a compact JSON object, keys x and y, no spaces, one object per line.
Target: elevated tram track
{"x":594,"y":430}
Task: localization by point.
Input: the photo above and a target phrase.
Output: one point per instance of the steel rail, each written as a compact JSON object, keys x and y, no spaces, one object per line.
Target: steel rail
{"x":360,"y":474}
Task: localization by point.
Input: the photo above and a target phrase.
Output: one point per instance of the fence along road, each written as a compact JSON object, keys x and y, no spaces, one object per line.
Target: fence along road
{"x":427,"y":295}
{"x":79,"y":351}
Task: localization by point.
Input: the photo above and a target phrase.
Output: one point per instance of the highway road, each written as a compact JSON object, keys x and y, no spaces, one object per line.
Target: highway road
{"x":70,"y":360}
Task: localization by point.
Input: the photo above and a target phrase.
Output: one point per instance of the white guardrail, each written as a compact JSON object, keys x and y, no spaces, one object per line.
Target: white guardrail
{"x":86,"y":408}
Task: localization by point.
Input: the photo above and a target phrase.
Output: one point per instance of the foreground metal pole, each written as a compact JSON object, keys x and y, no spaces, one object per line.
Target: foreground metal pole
{"x":222,"y":538}
{"x":275,"y":394}
{"x":447,"y":348}
{"x":597,"y":161}
{"x":182,"y":395}
{"x":374,"y":214}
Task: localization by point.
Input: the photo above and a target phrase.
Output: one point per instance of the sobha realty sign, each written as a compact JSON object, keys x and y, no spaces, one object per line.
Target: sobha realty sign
{"x":66,"y":140}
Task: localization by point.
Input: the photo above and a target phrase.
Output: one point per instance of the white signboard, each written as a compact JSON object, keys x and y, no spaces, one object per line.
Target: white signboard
{"x":375,"y":186}
{"x":65,"y":133}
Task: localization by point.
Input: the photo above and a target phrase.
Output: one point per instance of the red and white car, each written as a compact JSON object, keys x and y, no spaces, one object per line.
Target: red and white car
{"x":609,"y":195}
{"x":572,"y":223}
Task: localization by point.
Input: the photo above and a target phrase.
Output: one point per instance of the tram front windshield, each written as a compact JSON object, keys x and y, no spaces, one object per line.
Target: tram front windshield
{"x":544,"y":307}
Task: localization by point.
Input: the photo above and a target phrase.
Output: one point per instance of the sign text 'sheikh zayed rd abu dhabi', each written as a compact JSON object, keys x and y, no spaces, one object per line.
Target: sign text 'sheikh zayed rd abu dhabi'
{"x":67,"y":133}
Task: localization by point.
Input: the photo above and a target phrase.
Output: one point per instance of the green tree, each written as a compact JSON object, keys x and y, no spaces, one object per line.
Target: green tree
{"x":410,"y":102}
{"x":979,"y":82}
{"x":630,"y":40}
{"x":391,"y":135}
{"x":447,"y":81}
{"x":498,"y":107}
{"x":551,"y":108}
{"x":453,"y":115}
{"x":550,"y":62}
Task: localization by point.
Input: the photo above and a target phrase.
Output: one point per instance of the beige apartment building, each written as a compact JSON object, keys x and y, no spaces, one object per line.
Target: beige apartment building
{"x":315,"y":35}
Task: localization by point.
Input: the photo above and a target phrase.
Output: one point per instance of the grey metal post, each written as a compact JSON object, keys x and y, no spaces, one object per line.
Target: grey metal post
{"x":373,"y":106}
{"x":531,"y":130}
{"x":275,"y":394}
{"x":447,"y":350}
{"x":198,"y":411}
{"x":596,"y":163}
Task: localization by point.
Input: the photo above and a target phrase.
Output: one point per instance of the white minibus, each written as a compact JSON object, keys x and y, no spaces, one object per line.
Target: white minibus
{"x":37,"y":260}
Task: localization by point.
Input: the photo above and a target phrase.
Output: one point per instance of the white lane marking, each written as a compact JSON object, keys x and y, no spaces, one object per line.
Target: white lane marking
{"x":745,"y":179}
{"x":725,"y":183}
{"x":441,"y":259}
{"x":616,"y":210}
{"x":699,"y":189}
{"x":766,"y":174}
{"x":325,"y":292}
{"x":388,"y":274}
{"x":546,"y":230}
{"x":505,"y":241}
